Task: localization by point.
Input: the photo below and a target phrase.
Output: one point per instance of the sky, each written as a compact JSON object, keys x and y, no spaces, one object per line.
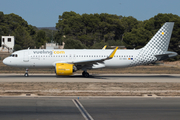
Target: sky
{"x":45,"y":13}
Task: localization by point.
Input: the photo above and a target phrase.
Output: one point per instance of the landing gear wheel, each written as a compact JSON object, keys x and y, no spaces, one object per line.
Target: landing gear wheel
{"x":26,"y":72}
{"x":26,"y":75}
{"x":85,"y":74}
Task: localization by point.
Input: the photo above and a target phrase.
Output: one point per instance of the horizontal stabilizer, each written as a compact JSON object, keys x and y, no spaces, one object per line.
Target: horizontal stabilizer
{"x":167,"y":55}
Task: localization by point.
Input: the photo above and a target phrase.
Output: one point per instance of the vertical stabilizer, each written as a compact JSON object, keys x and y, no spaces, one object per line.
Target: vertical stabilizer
{"x":160,"y":41}
{"x":158,"y":45}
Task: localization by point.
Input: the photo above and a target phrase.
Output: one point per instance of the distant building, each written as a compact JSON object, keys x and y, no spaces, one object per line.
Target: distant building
{"x":54,"y":46}
{"x":7,"y":44}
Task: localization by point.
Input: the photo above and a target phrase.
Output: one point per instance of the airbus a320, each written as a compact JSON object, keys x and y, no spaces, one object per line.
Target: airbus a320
{"x":68,"y":61}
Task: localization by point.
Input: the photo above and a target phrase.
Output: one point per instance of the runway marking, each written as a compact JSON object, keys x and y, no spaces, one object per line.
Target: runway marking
{"x":83,"y":111}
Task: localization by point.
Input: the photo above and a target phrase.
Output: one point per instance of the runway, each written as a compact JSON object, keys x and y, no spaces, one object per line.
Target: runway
{"x":98,"y":108}
{"x":89,"y":108}
{"x":173,"y":78}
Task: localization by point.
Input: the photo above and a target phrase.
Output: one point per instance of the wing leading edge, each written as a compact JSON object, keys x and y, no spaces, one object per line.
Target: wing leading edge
{"x":95,"y":61}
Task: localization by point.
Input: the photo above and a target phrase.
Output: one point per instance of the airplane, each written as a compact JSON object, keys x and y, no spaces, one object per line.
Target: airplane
{"x":68,"y":61}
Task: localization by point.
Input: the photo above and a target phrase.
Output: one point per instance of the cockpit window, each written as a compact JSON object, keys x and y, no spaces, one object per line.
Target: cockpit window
{"x":13,"y":55}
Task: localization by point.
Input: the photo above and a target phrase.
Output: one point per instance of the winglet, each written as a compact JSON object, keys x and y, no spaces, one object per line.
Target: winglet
{"x":113,"y":53}
{"x":104,"y":47}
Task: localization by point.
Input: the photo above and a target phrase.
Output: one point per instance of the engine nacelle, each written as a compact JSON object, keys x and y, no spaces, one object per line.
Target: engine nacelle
{"x":64,"y":69}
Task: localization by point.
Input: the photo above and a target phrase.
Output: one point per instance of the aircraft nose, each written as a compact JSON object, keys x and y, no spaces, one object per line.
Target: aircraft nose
{"x":5,"y":61}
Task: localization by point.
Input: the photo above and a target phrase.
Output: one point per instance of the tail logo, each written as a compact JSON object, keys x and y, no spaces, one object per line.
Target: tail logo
{"x":162,"y":33}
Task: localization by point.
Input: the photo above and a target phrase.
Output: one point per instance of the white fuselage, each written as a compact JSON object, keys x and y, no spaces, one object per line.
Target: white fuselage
{"x":48,"y":58}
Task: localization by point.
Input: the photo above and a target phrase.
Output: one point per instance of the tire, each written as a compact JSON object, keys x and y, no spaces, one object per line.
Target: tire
{"x":26,"y":75}
{"x":86,"y":74}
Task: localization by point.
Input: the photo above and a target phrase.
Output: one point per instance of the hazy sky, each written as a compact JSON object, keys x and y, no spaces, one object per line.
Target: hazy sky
{"x":44,"y":13}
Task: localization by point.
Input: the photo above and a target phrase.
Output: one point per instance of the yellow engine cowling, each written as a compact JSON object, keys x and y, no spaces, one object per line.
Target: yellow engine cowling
{"x":64,"y":69}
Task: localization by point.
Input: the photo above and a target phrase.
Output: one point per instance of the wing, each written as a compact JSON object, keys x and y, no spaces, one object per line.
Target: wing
{"x":94,"y":61}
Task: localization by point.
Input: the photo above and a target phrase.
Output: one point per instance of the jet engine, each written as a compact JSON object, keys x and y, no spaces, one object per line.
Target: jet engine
{"x":64,"y":69}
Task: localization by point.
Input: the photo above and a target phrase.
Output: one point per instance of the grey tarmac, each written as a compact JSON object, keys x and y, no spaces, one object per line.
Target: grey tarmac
{"x":173,"y":78}
{"x":99,"y":108}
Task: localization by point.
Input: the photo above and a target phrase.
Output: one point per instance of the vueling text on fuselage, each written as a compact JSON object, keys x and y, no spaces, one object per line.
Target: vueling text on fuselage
{"x":48,"y":52}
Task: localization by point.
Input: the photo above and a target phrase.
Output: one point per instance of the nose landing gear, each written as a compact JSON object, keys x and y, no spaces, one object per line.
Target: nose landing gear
{"x":26,"y":73}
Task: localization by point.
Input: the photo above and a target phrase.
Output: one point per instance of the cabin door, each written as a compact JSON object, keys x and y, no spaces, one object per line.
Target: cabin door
{"x":26,"y":56}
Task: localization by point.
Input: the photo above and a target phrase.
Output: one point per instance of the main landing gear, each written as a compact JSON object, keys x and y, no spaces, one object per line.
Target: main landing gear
{"x":85,"y":74}
{"x":26,"y":72}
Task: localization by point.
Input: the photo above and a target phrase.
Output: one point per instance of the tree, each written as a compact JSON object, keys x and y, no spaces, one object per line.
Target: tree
{"x":74,"y":44}
{"x":89,"y":28}
{"x":1,"y":17}
{"x":137,"y":38}
{"x":17,"y":47}
{"x":23,"y":38}
{"x":12,"y":24}
{"x":40,"y":38}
